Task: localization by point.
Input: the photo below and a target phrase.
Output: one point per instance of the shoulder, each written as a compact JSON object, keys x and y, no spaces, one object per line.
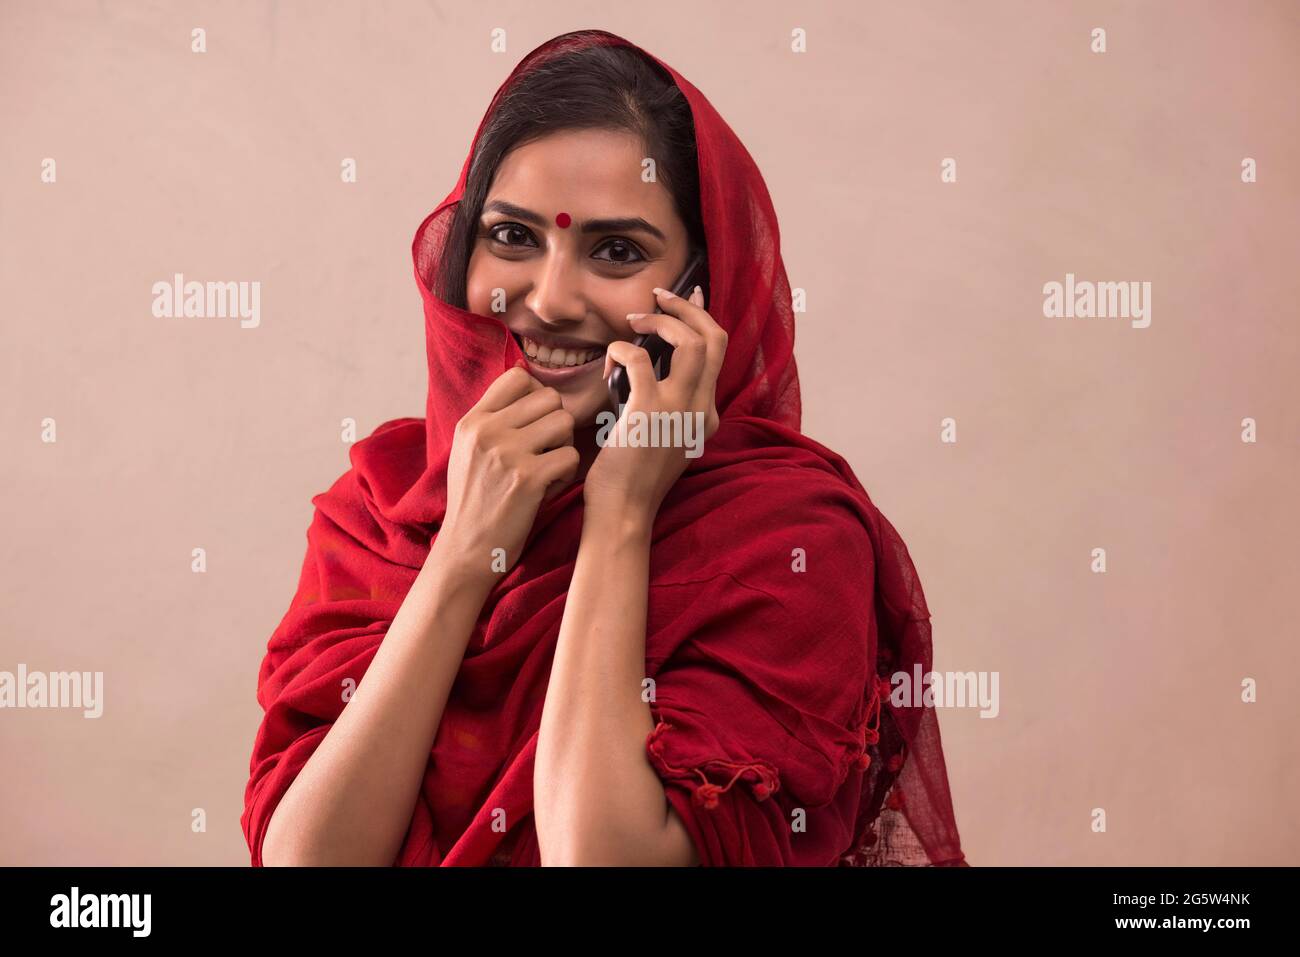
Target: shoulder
{"x":776,"y":484}
{"x":403,"y":437}
{"x":369,"y":500}
{"x":789,"y":520}
{"x":388,"y":455}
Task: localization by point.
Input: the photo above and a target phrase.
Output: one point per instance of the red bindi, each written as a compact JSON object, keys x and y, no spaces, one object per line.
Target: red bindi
{"x":562,"y":220}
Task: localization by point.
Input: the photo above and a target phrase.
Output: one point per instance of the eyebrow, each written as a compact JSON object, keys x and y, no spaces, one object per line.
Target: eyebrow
{"x":622,"y":224}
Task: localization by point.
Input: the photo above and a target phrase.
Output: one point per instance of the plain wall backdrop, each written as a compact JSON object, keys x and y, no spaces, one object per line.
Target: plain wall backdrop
{"x":1120,"y":691}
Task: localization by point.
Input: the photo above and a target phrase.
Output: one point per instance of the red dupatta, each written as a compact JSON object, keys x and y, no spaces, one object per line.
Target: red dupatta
{"x":774,"y":733}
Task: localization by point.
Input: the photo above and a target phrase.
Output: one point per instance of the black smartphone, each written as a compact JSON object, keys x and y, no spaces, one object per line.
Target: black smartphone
{"x":661,"y":352}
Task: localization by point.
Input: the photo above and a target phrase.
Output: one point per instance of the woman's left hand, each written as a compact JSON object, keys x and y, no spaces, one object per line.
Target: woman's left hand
{"x":635,"y":479}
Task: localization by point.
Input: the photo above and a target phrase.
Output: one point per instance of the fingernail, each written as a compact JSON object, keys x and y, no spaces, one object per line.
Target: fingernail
{"x":664,"y":292}
{"x":635,"y":315}
{"x":698,"y":293}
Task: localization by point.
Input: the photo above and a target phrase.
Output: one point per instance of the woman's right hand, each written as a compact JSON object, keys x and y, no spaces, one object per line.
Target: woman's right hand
{"x":499,"y":472}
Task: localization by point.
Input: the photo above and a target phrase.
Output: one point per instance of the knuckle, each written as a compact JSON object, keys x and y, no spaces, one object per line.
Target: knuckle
{"x":467,"y":430}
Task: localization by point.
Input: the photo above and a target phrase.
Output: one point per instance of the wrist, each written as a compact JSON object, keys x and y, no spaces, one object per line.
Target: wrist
{"x":617,"y":520}
{"x":459,"y":567}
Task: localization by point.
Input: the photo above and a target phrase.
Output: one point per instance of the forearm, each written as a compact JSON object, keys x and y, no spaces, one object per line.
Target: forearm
{"x":351,"y":803}
{"x":597,"y":799}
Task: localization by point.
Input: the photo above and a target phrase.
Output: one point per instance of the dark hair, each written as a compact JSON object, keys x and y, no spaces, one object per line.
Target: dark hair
{"x":597,"y":87}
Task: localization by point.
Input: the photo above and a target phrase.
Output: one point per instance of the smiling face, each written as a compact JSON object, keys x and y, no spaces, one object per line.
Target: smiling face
{"x":566,"y":290}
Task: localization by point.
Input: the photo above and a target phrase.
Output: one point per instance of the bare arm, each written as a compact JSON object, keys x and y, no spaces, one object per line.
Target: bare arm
{"x":597,"y":799}
{"x":351,"y":804}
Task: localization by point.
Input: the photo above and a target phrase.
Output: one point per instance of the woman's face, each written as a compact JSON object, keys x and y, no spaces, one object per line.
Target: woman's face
{"x":570,"y":241}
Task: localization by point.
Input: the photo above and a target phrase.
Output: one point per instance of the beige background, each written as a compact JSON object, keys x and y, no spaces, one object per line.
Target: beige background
{"x":1119,"y":691}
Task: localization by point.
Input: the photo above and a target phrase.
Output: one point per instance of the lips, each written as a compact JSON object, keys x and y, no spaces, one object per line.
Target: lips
{"x":544,"y":357}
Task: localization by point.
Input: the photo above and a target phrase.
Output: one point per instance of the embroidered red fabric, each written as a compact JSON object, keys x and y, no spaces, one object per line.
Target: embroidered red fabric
{"x":780,"y":598}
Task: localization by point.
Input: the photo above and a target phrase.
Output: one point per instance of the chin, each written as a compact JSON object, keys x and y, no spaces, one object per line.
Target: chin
{"x":584,"y":409}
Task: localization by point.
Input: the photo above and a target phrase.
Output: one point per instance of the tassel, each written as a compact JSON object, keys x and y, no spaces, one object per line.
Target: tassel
{"x":871,"y":733}
{"x":706,"y":793}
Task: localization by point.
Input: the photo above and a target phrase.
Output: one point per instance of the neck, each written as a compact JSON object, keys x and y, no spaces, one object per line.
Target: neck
{"x":584,"y":440}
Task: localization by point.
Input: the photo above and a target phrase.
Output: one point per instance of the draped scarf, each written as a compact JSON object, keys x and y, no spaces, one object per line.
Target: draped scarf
{"x":780,"y":599}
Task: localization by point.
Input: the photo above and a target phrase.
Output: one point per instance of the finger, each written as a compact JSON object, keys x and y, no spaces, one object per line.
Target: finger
{"x":512,"y":384}
{"x":524,"y":411}
{"x":549,"y":432}
{"x":558,"y":468}
{"x":640,"y":373}
{"x":716,"y":352}
{"x":689,"y":349}
{"x":692,"y":312}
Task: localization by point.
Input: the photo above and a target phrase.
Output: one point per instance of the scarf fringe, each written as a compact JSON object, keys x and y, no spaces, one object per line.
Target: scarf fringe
{"x":706,"y":792}
{"x":871,"y":724}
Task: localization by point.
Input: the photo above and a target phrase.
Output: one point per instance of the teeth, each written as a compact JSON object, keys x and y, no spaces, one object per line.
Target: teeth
{"x":558,"y":358}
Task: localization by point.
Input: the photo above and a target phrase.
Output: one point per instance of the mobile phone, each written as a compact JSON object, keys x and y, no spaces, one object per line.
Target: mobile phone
{"x":661,"y":352}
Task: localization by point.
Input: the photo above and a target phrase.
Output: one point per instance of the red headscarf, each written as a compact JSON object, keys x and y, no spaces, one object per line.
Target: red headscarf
{"x":779,"y":597}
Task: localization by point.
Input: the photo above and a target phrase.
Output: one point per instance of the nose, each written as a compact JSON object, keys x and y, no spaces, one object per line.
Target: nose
{"x":556,"y":295}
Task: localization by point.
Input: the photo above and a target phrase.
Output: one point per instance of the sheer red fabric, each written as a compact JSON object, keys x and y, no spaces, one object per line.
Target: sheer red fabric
{"x":780,"y":598}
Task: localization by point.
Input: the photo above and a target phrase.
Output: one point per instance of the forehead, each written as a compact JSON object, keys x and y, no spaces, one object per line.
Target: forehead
{"x":586,"y":173}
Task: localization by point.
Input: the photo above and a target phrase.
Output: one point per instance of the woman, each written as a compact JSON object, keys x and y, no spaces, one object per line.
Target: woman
{"x":513,"y":644}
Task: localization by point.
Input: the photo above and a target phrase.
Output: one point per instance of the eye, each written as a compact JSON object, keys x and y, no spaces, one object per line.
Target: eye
{"x":619,"y":248}
{"x":495,"y":232}
{"x":624,"y":247}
